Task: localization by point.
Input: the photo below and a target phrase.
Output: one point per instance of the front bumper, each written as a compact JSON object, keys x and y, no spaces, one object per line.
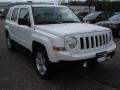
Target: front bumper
{"x":67,"y":56}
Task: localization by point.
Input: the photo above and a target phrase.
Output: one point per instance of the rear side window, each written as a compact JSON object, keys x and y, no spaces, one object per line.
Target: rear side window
{"x":110,"y":15}
{"x":15,"y":14}
{"x":105,"y":16}
{"x":9,"y":14}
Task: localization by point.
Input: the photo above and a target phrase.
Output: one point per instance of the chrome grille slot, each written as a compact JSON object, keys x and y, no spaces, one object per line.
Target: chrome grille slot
{"x":82,"y":43}
{"x":103,"y":39}
{"x":87,"y":42}
{"x":100,"y":40}
{"x":106,"y":39}
{"x":94,"y":41}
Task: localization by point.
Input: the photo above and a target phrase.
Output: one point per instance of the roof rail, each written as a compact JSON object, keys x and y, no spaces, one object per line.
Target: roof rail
{"x":47,"y":3}
{"x":32,"y":3}
{"x":50,"y":3}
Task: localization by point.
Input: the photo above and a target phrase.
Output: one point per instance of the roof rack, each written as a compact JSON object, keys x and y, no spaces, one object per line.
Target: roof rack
{"x":50,"y":3}
{"x":47,"y":3}
{"x":32,"y":3}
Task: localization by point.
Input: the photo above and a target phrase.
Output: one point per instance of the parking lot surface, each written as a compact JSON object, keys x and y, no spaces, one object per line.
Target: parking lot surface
{"x":18,"y":73}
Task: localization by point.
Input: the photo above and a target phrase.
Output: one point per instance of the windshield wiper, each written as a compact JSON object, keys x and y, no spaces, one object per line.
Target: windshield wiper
{"x":70,"y":22}
{"x":47,"y":23}
{"x":57,"y":22}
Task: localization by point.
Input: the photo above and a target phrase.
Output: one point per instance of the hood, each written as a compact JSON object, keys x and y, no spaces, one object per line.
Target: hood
{"x":69,"y":28}
{"x":108,"y":22}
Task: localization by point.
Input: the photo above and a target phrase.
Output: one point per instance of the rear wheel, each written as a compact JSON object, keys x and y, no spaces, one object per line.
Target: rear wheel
{"x":10,"y":44}
{"x":42,"y":63}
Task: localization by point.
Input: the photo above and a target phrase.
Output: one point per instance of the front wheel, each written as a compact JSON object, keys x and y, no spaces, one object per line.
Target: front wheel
{"x":118,"y":33}
{"x":42,"y":63}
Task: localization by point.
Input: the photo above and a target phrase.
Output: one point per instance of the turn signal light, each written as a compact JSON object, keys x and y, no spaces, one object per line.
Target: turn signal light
{"x":56,"y":49}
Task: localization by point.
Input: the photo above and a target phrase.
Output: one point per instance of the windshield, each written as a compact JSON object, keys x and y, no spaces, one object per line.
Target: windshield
{"x":115,"y":18}
{"x":92,"y":15}
{"x":53,"y":15}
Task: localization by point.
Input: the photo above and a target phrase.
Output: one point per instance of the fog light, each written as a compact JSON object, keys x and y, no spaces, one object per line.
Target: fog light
{"x":109,"y":57}
{"x":85,"y":64}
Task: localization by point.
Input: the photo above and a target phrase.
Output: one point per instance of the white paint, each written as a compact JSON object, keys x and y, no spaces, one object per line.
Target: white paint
{"x":55,"y":35}
{"x":70,"y":28}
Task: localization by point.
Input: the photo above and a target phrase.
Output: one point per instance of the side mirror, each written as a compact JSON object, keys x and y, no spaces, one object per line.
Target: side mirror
{"x":22,"y":21}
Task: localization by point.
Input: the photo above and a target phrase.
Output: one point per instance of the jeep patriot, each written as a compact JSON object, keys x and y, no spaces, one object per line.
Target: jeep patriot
{"x":53,"y":33}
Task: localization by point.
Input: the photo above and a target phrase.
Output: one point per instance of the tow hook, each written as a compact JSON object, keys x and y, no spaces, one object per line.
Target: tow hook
{"x":85,"y":64}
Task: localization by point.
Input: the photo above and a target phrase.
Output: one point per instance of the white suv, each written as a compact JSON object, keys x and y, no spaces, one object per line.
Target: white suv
{"x":53,"y":33}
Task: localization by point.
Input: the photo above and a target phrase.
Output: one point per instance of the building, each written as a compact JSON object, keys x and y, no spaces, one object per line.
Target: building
{"x":7,"y":5}
{"x":77,"y":9}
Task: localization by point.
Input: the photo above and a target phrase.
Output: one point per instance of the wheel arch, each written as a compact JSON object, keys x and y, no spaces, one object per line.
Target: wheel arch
{"x":6,"y":33}
{"x":46,"y":46}
{"x":36,"y":44}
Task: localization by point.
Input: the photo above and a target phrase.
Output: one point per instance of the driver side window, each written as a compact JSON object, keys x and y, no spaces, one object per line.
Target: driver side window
{"x":103,"y":16}
{"x":24,"y":14}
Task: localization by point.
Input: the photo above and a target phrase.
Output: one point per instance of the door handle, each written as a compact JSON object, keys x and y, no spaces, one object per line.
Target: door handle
{"x":16,"y":27}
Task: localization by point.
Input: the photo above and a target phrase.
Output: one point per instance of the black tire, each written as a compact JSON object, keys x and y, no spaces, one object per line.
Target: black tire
{"x":119,"y":33}
{"x":10,"y":44}
{"x":41,"y":54}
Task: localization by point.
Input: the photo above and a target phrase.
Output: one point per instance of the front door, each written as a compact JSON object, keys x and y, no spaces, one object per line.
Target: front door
{"x":24,"y":31}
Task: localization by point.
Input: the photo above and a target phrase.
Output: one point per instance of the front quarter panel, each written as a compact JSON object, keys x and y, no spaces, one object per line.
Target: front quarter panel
{"x":48,"y":40}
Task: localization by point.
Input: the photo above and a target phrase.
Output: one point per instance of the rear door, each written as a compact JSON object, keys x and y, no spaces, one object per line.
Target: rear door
{"x":12,"y":23}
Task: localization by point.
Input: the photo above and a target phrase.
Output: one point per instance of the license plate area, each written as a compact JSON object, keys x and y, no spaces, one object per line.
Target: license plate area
{"x":101,"y":56}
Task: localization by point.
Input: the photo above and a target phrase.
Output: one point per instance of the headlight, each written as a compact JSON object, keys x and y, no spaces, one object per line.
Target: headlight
{"x":112,"y":26}
{"x":71,"y":42}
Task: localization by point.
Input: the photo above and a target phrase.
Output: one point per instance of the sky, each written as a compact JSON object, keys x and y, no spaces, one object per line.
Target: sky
{"x":30,"y":0}
{"x":34,"y":0}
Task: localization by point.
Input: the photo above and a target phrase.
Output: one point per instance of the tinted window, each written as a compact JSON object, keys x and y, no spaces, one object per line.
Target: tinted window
{"x":93,"y":15}
{"x":24,"y":13}
{"x":110,"y":15}
{"x":115,"y":18}
{"x":102,"y":16}
{"x":82,"y":14}
{"x":106,"y":15}
{"x":14,"y":14}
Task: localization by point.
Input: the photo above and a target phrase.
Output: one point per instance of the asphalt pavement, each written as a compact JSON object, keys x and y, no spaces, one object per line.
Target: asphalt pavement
{"x":17,"y":72}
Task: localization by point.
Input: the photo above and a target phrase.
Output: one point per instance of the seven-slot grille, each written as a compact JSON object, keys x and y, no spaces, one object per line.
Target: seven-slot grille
{"x":94,"y":41}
